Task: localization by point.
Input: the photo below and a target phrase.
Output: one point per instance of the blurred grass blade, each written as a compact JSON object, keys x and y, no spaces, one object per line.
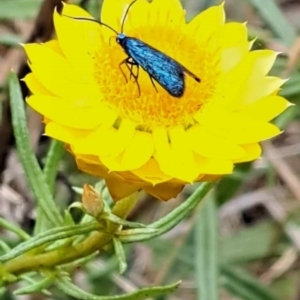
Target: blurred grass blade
{"x":274,"y":18}
{"x":19,"y":9}
{"x":242,"y":285}
{"x":250,"y":243}
{"x":206,"y":251}
{"x":10,"y":39}
{"x":1,"y":109}
{"x":286,"y":117}
{"x":33,"y":172}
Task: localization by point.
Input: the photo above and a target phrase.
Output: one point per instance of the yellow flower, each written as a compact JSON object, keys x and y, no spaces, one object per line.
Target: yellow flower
{"x":151,"y":140}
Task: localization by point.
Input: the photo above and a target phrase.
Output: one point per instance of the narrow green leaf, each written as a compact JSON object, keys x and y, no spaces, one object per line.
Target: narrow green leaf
{"x":120,"y":253}
{"x":206,"y":251}
{"x":13,"y":228}
{"x":115,"y":219}
{"x":34,"y":174}
{"x":244,"y":286}
{"x":137,"y":231}
{"x":54,"y":155}
{"x":51,"y":235}
{"x":39,"y":286}
{"x":53,"y":158}
{"x":65,"y":285}
{"x":4,"y":246}
{"x":170,"y":220}
{"x":272,"y":15}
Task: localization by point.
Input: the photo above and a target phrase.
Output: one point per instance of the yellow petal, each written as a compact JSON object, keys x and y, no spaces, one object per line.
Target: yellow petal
{"x":35,"y":86}
{"x":136,"y":154}
{"x":183,"y":153}
{"x":233,"y":38}
{"x":62,"y":112}
{"x":258,"y":88}
{"x":253,"y":152}
{"x":213,"y":166}
{"x":251,"y":133}
{"x":122,"y":138}
{"x":259,"y":62}
{"x":150,"y":172}
{"x":119,"y":188}
{"x":55,"y":46}
{"x":141,"y":9}
{"x":230,"y":57}
{"x":130,"y":177}
{"x":166,"y":13}
{"x":240,"y":83}
{"x":265,"y":109}
{"x":139,"y":150}
{"x":233,"y":127}
{"x":91,"y":165}
{"x":212,"y":146}
{"x":254,"y":132}
{"x":112,"y":14}
{"x":207,"y":23}
{"x":230,"y":35}
{"x":77,"y":39}
{"x":95,"y":143}
{"x":55,"y":73}
{"x":164,"y":191}
{"x":63,"y":133}
{"x":168,"y":154}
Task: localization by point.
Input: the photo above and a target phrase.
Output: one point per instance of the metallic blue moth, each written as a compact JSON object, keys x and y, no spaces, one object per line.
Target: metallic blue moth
{"x":166,"y":71}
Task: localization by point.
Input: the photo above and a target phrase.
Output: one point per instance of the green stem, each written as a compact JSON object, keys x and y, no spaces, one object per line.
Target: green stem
{"x":57,"y":257}
{"x":52,"y":235}
{"x":96,"y":241}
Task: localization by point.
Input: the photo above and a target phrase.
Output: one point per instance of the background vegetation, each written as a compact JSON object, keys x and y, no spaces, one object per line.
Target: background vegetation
{"x":258,"y":217}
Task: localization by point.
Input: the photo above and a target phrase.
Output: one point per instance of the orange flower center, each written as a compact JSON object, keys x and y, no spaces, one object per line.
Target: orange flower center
{"x":151,"y":108}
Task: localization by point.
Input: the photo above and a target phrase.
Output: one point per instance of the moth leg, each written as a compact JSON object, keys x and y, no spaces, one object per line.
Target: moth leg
{"x":152,"y":81}
{"x":130,"y":63}
{"x":120,"y":67}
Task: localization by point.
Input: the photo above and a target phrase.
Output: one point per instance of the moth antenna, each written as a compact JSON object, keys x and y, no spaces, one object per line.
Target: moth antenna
{"x":92,"y":20}
{"x":125,"y":15}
